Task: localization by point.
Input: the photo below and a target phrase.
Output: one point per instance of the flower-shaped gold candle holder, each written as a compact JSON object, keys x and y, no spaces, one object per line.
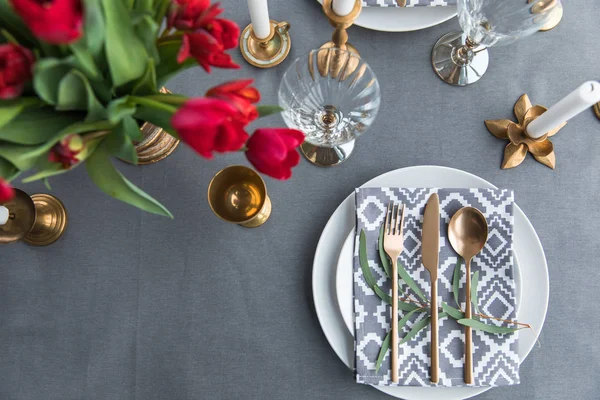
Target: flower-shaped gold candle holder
{"x":520,"y":143}
{"x":38,"y":220}
{"x":268,"y":52}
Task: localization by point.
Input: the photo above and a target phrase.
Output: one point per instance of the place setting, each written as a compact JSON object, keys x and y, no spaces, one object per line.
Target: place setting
{"x":428,"y":282}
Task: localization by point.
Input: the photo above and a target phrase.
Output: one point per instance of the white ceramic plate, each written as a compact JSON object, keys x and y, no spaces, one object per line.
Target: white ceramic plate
{"x":344,"y":284}
{"x":402,"y":19}
{"x":533,"y":267}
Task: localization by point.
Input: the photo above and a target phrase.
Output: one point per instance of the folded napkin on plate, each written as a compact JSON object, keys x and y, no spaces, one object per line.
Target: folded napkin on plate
{"x":495,"y":357}
{"x":409,"y":3}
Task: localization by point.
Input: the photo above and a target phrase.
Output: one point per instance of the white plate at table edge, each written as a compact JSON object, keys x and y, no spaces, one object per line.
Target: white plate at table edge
{"x":534,"y":271}
{"x":402,"y":19}
{"x":344,"y":283}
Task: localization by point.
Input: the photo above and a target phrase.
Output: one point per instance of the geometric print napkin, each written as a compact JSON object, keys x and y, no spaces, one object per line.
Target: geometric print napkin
{"x":495,"y":357}
{"x":409,"y":3}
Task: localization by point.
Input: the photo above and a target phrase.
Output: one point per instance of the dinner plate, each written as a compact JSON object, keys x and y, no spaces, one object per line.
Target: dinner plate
{"x":533,"y":268}
{"x":402,"y":19}
{"x":344,"y":283}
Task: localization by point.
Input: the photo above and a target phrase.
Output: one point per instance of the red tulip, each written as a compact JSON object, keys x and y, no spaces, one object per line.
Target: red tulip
{"x":240,"y":94}
{"x":6,"y":191}
{"x":206,"y":49}
{"x":16,"y":64}
{"x":184,"y":14}
{"x":54,"y":21}
{"x":272,"y":151}
{"x":66,"y":151}
{"x":209,"y":125}
{"x":205,"y":36}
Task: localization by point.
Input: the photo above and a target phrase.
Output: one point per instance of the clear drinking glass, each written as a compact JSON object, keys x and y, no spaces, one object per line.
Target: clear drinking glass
{"x":333,"y":96}
{"x":461,"y":58}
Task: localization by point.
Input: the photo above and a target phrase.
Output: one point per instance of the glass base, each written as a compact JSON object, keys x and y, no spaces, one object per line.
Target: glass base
{"x":327,"y":156}
{"x":450,"y":69}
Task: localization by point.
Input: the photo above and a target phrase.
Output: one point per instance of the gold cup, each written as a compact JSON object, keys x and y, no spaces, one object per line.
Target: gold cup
{"x":238,"y":194}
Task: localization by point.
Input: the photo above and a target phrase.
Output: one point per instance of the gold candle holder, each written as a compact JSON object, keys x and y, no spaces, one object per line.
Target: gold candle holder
{"x":237,"y":194}
{"x":268,"y":52}
{"x":520,"y":143}
{"x":341,"y":23}
{"x":597,"y":110}
{"x":38,"y":220}
{"x":556,"y":16}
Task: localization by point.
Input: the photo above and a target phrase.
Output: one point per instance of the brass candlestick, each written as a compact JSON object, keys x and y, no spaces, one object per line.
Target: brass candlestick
{"x":556,"y":16}
{"x":341,"y":23}
{"x":268,"y":52}
{"x":520,"y":143}
{"x":597,"y":110}
{"x":38,"y":220}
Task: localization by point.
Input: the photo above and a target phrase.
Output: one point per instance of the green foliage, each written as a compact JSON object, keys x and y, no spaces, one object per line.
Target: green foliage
{"x":414,"y":307}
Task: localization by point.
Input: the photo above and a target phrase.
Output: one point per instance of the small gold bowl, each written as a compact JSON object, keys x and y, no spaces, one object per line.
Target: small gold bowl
{"x":238,"y":194}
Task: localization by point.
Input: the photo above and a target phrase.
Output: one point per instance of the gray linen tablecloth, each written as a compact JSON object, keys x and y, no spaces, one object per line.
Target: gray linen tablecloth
{"x":133,"y":306}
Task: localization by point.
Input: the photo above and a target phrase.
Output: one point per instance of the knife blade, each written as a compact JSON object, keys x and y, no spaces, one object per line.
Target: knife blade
{"x":430,"y":247}
{"x":430,"y":255}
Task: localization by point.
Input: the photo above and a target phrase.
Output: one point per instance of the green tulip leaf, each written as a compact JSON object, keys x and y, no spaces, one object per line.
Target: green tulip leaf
{"x":147,"y":83}
{"x":168,"y":67}
{"x":156,"y":113}
{"x":112,"y":182}
{"x":125,"y":52}
{"x":47,"y":169}
{"x":119,"y":143}
{"x":47,"y":75}
{"x":14,"y":24}
{"x":147,"y":29}
{"x":94,"y":32}
{"x":480,"y":326}
{"x":456,"y":281}
{"x":75,"y":93}
{"x":84,"y":61}
{"x":7,"y":170}
{"x":36,"y":126}
{"x":168,"y":98}
{"x":26,"y":157}
{"x":9,"y":109}
{"x":263,"y":111}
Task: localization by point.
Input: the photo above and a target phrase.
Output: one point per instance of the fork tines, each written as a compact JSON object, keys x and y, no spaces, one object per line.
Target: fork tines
{"x":394,"y":220}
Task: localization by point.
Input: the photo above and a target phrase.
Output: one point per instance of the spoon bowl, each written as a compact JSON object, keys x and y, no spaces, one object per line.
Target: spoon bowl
{"x":467,"y":232}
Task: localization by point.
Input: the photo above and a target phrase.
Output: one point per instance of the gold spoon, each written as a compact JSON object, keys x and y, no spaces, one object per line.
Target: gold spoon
{"x":468,"y":232}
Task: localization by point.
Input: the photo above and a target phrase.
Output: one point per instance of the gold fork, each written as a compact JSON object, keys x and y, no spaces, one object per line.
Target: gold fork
{"x":393,"y":244}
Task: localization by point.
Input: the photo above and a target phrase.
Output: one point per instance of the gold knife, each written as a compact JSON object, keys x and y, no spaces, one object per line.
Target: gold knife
{"x":430,"y":250}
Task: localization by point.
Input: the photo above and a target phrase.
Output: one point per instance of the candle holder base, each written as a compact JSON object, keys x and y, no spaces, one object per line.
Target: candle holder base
{"x":50,"y":220}
{"x":520,"y":142}
{"x":555,"y":18}
{"x":349,"y":47}
{"x":268,"y":52}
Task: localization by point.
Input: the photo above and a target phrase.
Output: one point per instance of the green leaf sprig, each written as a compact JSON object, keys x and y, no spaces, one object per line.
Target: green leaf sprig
{"x":421,"y":305}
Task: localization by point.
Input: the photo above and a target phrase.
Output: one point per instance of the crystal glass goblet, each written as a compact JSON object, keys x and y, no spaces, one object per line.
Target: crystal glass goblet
{"x":333,"y":96}
{"x":461,"y":58}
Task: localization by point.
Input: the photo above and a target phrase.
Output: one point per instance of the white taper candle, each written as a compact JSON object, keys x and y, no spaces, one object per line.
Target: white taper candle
{"x":259,"y":15}
{"x":343,"y":7}
{"x":3,"y":215}
{"x":580,"y":99}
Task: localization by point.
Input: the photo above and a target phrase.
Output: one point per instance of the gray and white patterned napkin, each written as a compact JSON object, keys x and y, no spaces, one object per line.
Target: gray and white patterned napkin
{"x":495,"y":357}
{"x":409,"y":3}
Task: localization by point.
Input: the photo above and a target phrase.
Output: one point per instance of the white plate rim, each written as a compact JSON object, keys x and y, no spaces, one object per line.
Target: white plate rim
{"x":343,"y":345}
{"x":370,"y":17}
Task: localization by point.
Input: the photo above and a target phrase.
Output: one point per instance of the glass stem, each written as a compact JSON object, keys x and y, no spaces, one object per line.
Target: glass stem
{"x":465,"y":54}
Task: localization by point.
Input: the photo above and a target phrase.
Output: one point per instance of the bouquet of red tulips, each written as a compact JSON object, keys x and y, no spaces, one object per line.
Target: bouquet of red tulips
{"x":79,"y":77}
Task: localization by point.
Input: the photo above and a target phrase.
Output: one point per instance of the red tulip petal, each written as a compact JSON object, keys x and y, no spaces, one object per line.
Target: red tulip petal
{"x":6,"y":191}
{"x":184,"y":51}
{"x":230,"y":86}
